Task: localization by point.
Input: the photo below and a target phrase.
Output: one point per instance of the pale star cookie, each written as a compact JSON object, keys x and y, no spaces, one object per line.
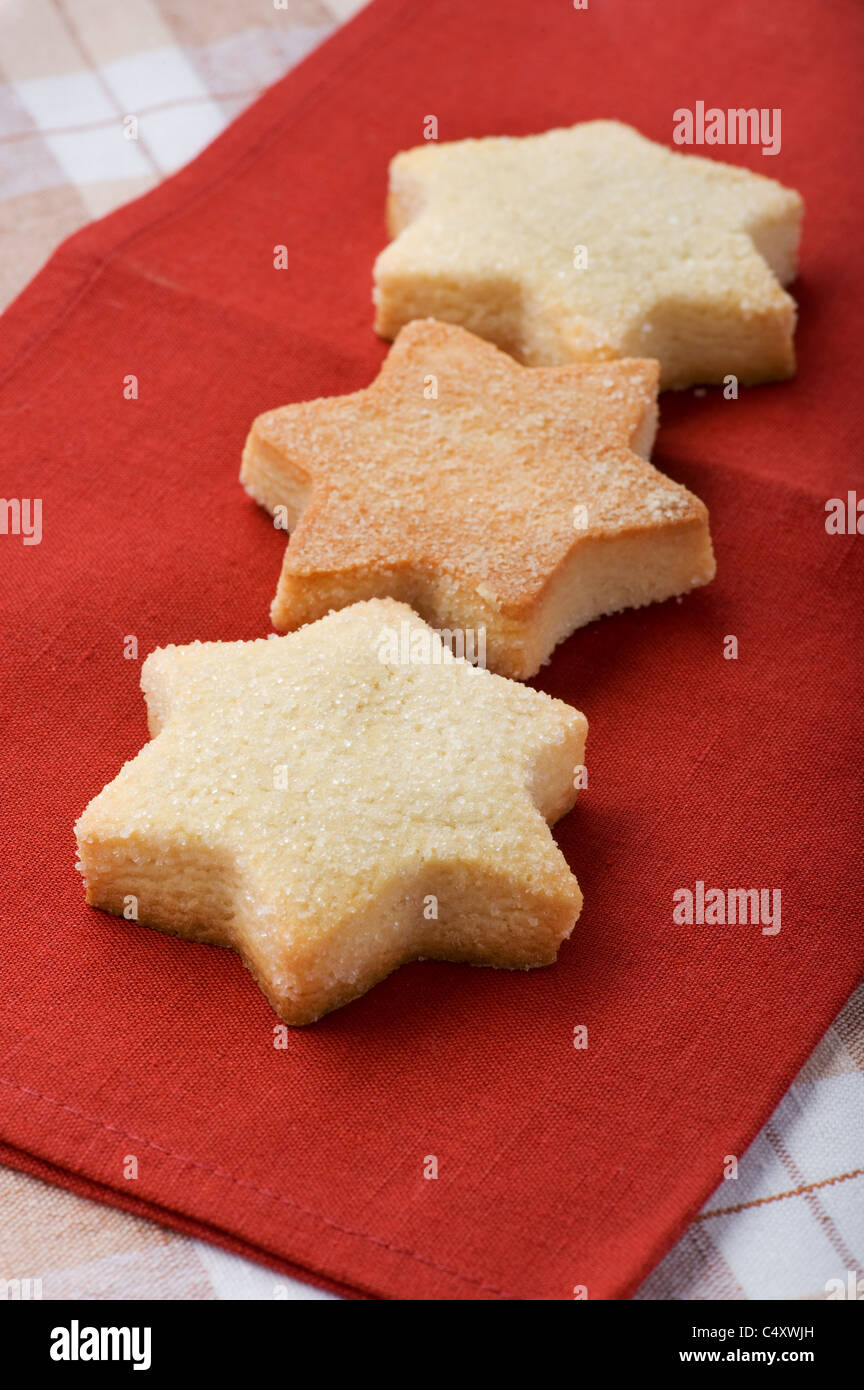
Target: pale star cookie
{"x":331,"y":807}
{"x":498,"y":500}
{"x":591,"y":243}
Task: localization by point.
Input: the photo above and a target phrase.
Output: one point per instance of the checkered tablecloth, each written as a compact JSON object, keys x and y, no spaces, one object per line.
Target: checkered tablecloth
{"x":99,"y":100}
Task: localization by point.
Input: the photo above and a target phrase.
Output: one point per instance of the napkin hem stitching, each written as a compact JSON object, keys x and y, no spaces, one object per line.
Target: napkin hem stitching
{"x":254,"y":1187}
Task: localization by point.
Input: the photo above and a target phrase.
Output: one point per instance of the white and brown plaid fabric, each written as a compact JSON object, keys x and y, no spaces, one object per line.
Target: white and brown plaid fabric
{"x":72,"y":73}
{"x":792,"y":1224}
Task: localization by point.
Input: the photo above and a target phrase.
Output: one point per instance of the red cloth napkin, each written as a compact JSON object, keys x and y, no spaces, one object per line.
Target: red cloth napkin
{"x":557,"y":1166}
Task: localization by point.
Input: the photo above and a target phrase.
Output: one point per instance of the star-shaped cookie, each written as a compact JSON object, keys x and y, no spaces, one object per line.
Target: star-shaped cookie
{"x":508,"y":505}
{"x":592,"y":243}
{"x":339,"y":801}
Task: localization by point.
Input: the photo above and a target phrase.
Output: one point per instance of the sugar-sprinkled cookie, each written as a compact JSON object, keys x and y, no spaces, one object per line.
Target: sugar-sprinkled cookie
{"x":511,"y":503}
{"x":591,"y":243}
{"x":336,"y":802}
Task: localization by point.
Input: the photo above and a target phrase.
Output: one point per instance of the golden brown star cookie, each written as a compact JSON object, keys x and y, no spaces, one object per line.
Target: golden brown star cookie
{"x":508,"y":505}
{"x":591,"y":243}
{"x":337,"y":802}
